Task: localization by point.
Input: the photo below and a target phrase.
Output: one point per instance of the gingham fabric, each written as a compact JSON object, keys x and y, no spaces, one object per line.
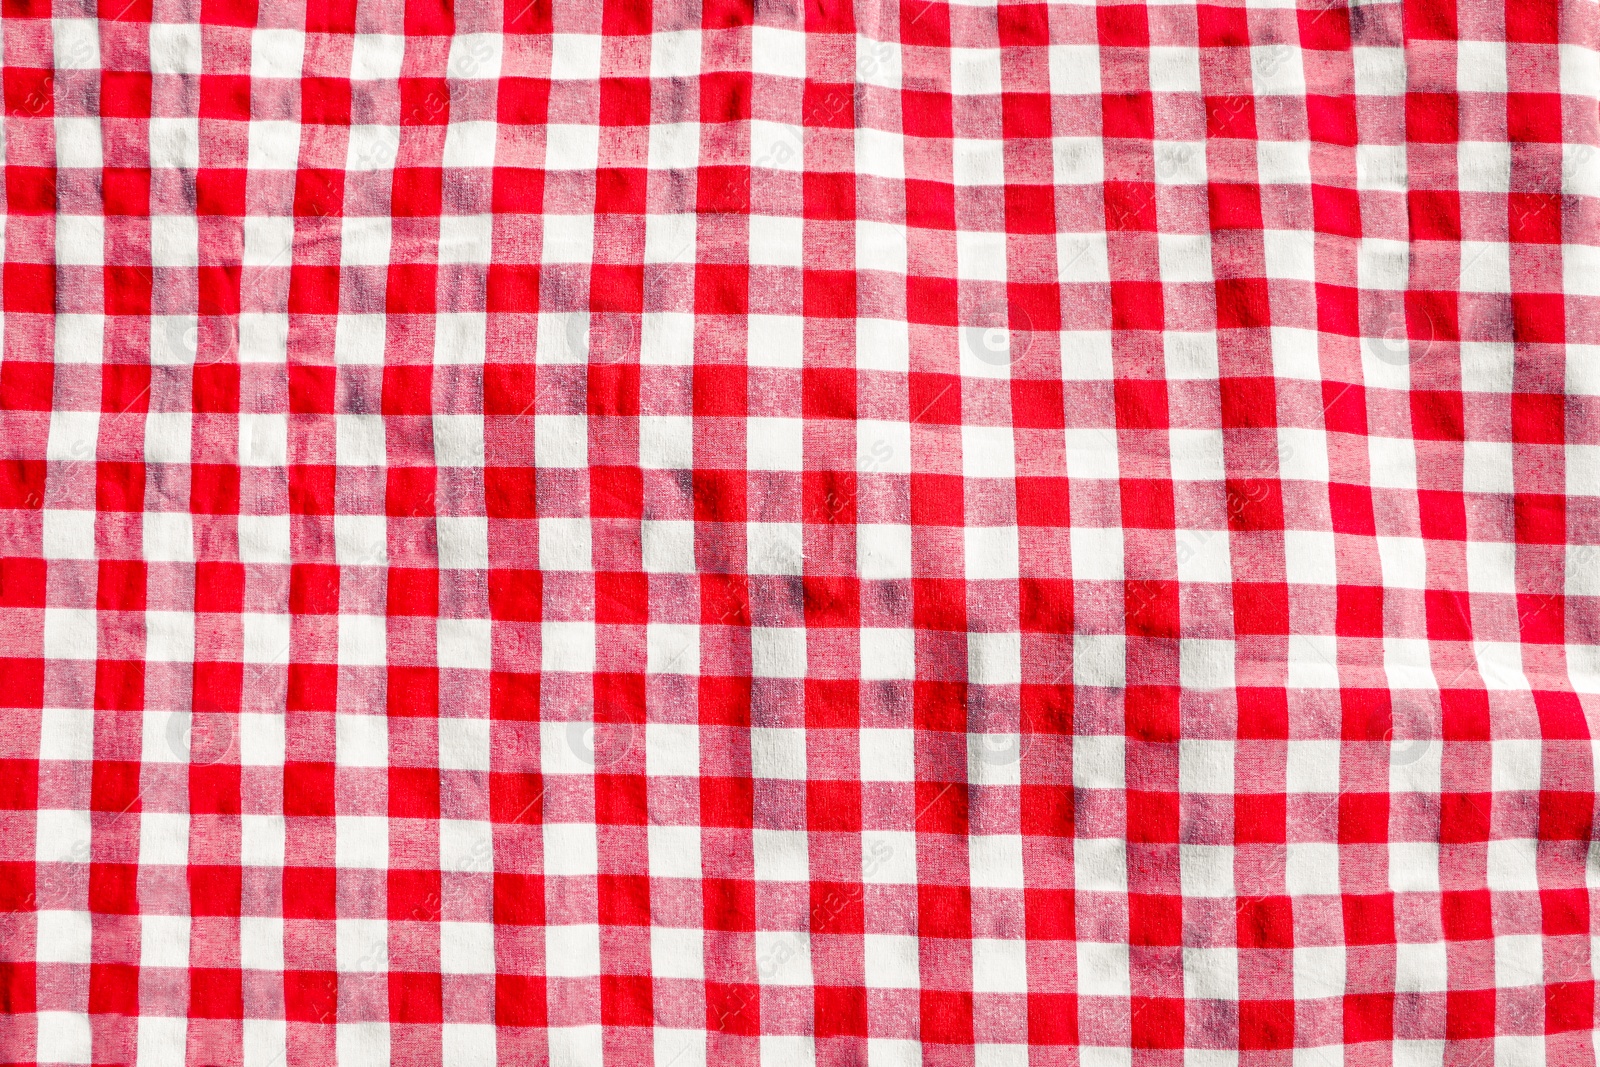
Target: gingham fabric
{"x":906,"y":533}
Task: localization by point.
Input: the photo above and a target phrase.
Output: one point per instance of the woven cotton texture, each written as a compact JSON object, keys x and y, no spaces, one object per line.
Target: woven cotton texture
{"x":685,"y":533}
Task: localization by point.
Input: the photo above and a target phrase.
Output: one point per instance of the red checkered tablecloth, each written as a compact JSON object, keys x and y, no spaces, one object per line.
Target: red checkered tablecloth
{"x":799,"y":532}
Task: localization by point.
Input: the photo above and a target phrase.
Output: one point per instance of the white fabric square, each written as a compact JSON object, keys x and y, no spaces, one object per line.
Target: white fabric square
{"x":675,"y":54}
{"x":1420,"y":968}
{"x":995,"y":861}
{"x":262,"y":838}
{"x":1319,"y":972}
{"x":672,"y":648}
{"x":174,"y":48}
{"x":780,"y":855}
{"x":677,"y":953}
{"x":466,"y":845}
{"x":887,"y":755}
{"x":888,"y":654}
{"x":1099,"y":659}
{"x":469,"y":144}
{"x":260,"y":943}
{"x":475,"y":55}
{"x":774,"y":444}
{"x":361,"y":540}
{"x":68,"y":534}
{"x":888,"y":857}
{"x":1075,"y":70}
{"x":1311,"y":868}
{"x":1206,"y":870}
{"x":775,"y":547}
{"x":1513,"y":864}
{"x":466,"y":948}
{"x":978,"y":162}
{"x":263,"y":337}
{"x":773,"y":146}
{"x":776,"y":241}
{"x":778,"y":652}
{"x":463,"y":542}
{"x":883,"y":550}
{"x":975,"y":71}
{"x":880,"y":153}
{"x":1518,"y":960}
{"x":1414,"y":866}
{"x":463,"y":744}
{"x":564,"y":544}
{"x":376,"y":56}
{"x":64,"y":936}
{"x":999,"y":966}
{"x":1103,"y":969}
{"x":571,"y":147}
{"x":70,"y":633}
{"x":361,"y":841}
{"x":778,"y":752}
{"x":991,"y":553}
{"x":570,"y":849}
{"x":994,"y":658}
{"x":573,"y":952}
{"x":568,"y":239}
{"x":882,"y":246}
{"x":68,"y":734}
{"x":666,"y":442}
{"x":778,"y":52}
{"x":672,"y":749}
{"x":1173,"y":69}
{"x":79,"y":338}
{"x":783,"y":958}
{"x":891,"y":961}
{"x":883,"y":447}
{"x":883,"y":345}
{"x":675,"y":145}
{"x":361,"y":740}
{"x":775,"y":340}
{"x":561,"y":440}
{"x":980,"y":255}
{"x":674,"y":851}
{"x":1210,"y":973}
{"x":575,"y":56}
{"x":261,"y":739}
{"x":163,"y":940}
{"x":1098,"y":761}
{"x":567,"y":646}
{"x":362,"y":640}
{"x":667,"y":546}
{"x":63,"y":1037}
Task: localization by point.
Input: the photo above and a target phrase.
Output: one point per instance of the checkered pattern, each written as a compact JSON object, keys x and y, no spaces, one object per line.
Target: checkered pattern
{"x":702,"y":532}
